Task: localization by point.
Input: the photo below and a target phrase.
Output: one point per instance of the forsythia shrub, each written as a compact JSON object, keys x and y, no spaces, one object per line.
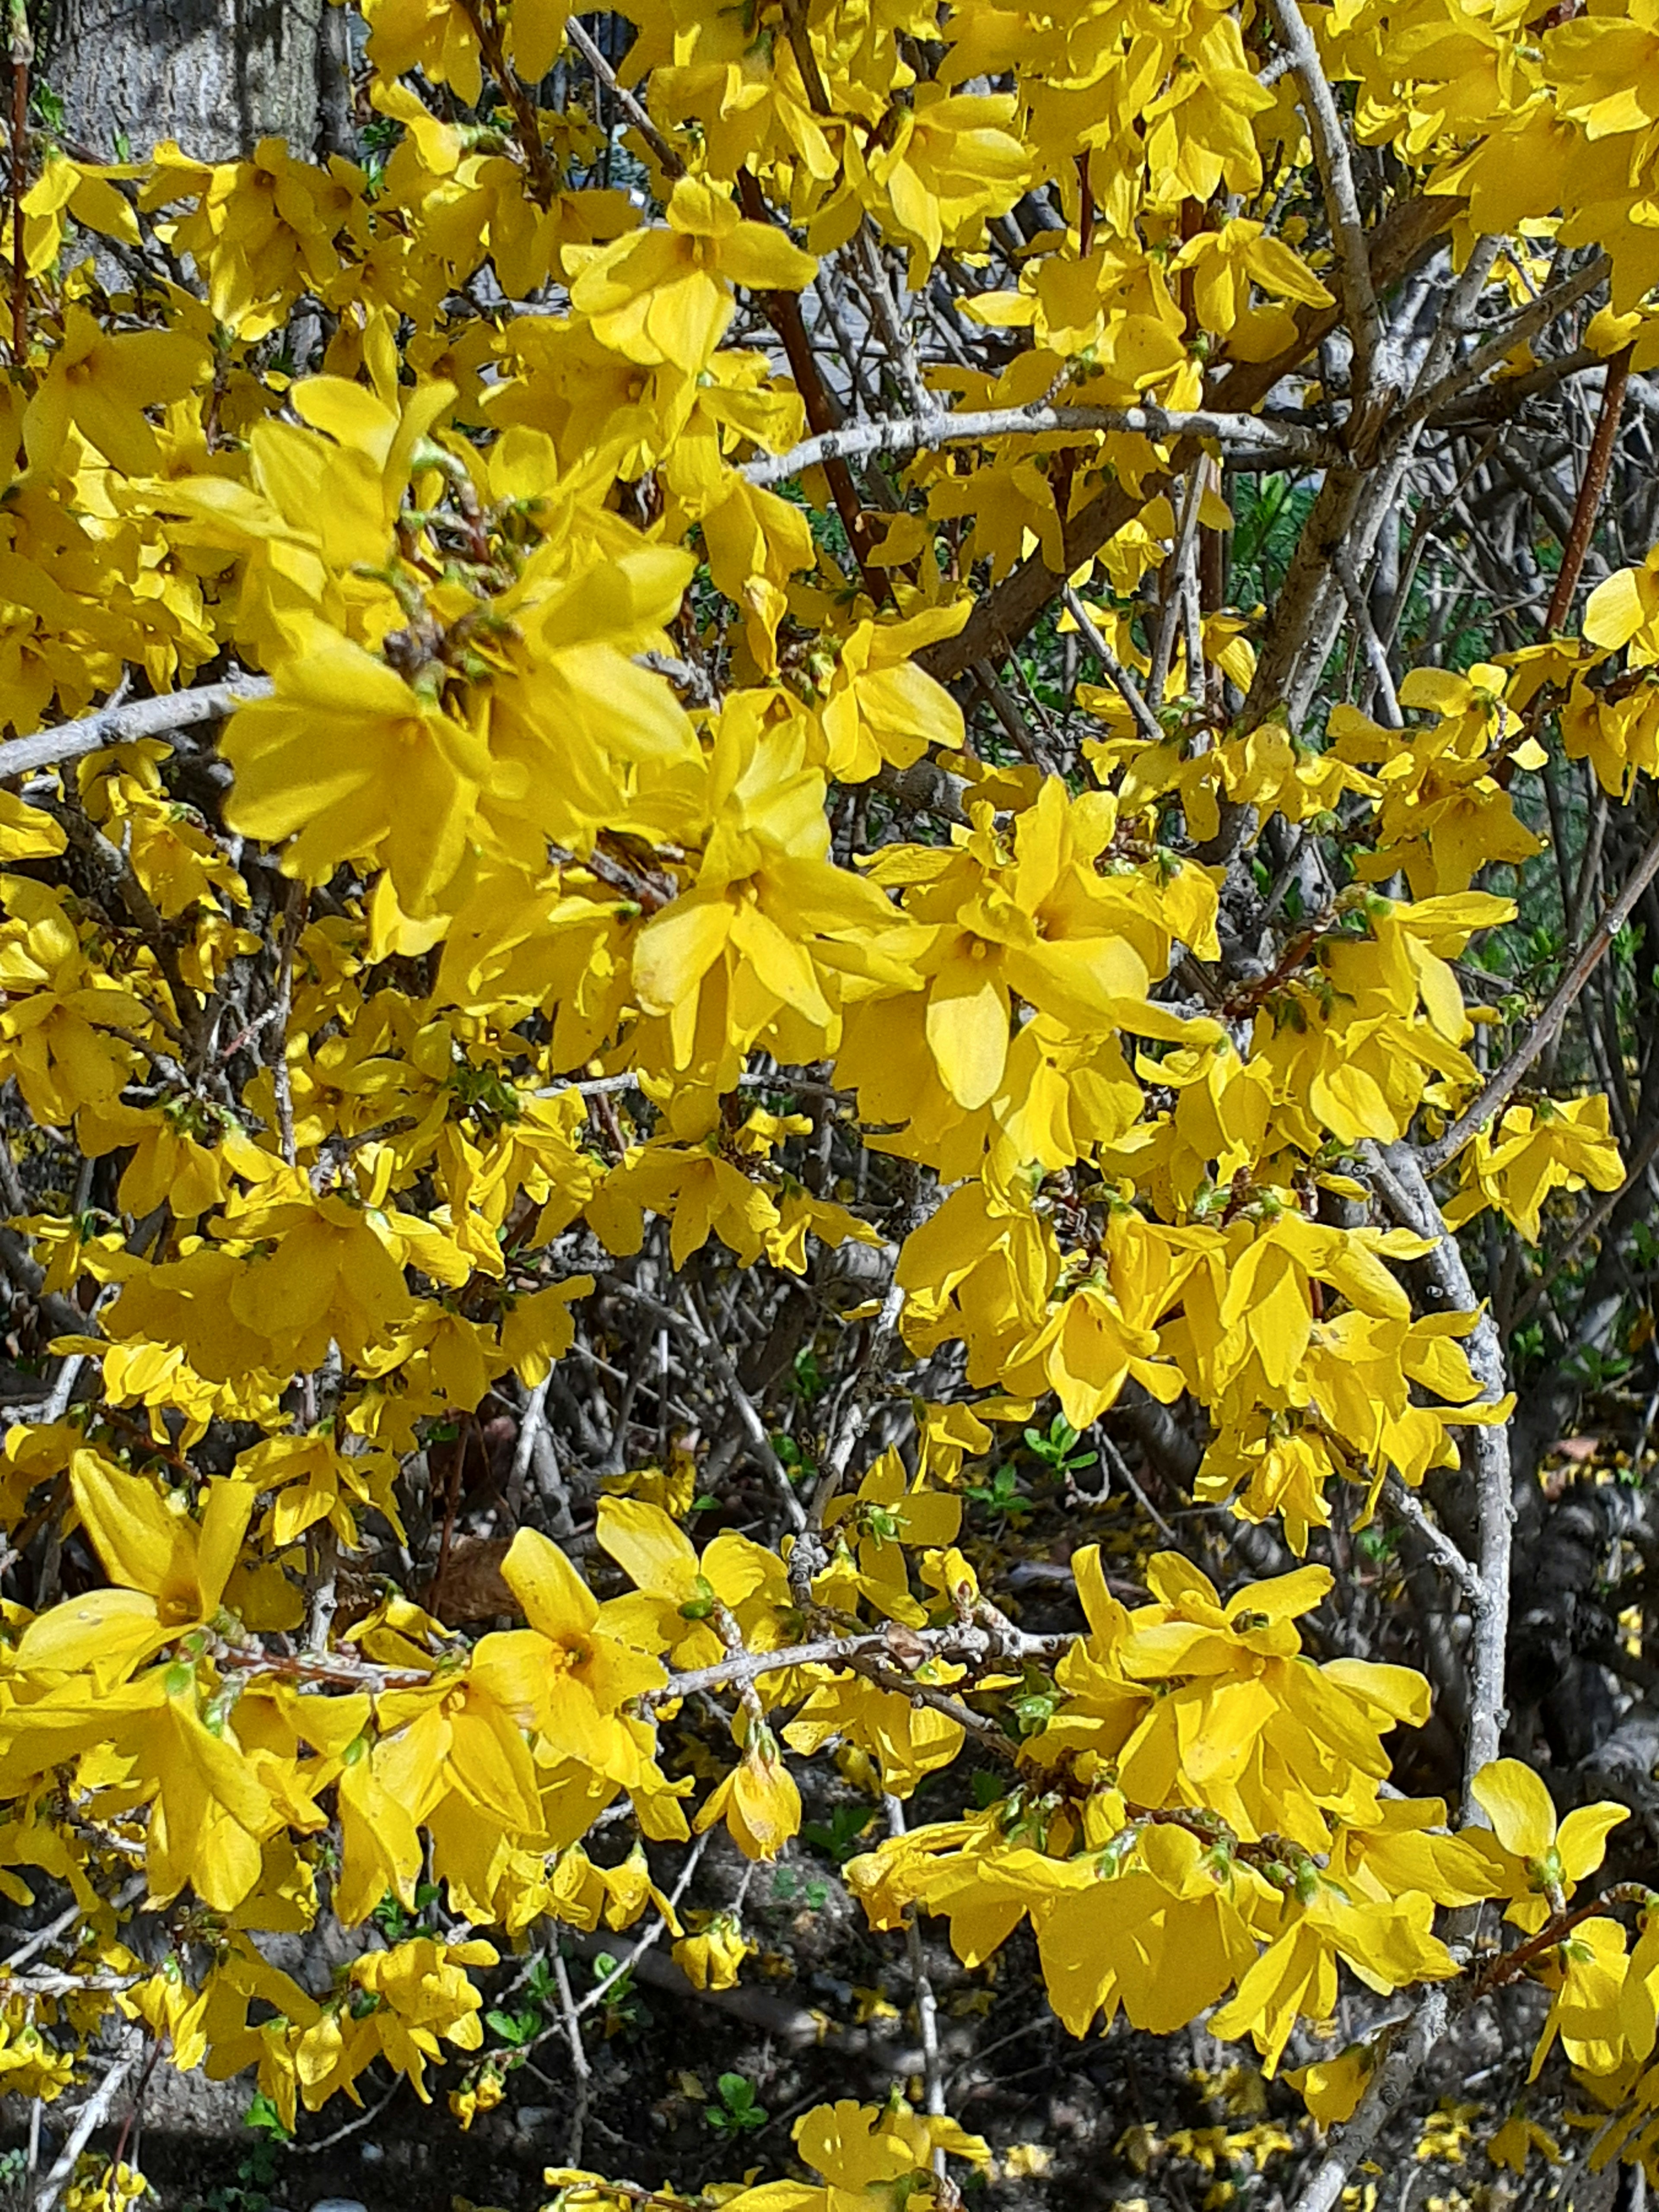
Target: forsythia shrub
{"x":594,"y":901}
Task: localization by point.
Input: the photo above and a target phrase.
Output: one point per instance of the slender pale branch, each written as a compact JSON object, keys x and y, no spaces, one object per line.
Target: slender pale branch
{"x":758,"y":1434}
{"x":1501,"y":1086}
{"x":657,"y":1928}
{"x":1145,"y":721}
{"x":957,"y":1640}
{"x":1240,"y":436}
{"x":43,"y":1938}
{"x":1409,"y":1507}
{"x":631,"y":108}
{"x":1430,"y":398}
{"x":90,"y":2117}
{"x":1376,"y":654}
{"x":922,"y":1987}
{"x":1330,"y":145}
{"x":1393,"y":2083}
{"x":1398,"y":1175}
{"x":124,"y":725}
{"x":742,"y":1666}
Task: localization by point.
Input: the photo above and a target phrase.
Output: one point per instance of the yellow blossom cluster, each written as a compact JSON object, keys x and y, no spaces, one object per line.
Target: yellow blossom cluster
{"x":561,"y":879}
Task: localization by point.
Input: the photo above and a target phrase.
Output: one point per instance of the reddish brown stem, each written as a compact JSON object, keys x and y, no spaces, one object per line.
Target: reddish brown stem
{"x":783,"y":312}
{"x":1085,"y":206}
{"x":806,"y":61}
{"x":486,"y":28}
{"x":134,"y":2107}
{"x":22,"y":54}
{"x":452,"y":1507}
{"x":1506,"y":1969}
{"x":1590,"y":491}
{"x":1192,"y":221}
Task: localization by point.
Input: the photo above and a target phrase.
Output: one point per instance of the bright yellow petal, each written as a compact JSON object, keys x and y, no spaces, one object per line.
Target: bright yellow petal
{"x":224,"y":1524}
{"x":135,"y":1536}
{"x":1518,"y":1806}
{"x":676,"y":950}
{"x":555,"y":1598}
{"x":649,"y":1548}
{"x":1583,"y":1833}
{"x":968,"y":1031}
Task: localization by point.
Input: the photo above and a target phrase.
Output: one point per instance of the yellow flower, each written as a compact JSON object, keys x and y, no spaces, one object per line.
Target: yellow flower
{"x":567,"y":1675}
{"x":169,"y":1572}
{"x":665,"y":295}
{"x":1332,"y":2088}
{"x":887,"y":1513}
{"x":710,"y":1957}
{"x":1516,"y":2139}
{"x":862,"y":2151}
{"x":758,"y":1799}
{"x":1534,"y":1861}
{"x":354,"y":764}
{"x":102,"y":384}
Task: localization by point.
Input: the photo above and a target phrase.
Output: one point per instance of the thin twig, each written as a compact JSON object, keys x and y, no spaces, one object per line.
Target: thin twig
{"x":653,"y":1933}
{"x":1430,"y":398}
{"x":1397,"y":2079}
{"x":1175,"y":573}
{"x":1501,"y":1086}
{"x":127,"y":1894}
{"x":759,"y":1436}
{"x":1240,"y":436}
{"x":579,"y":2064}
{"x":293,"y":925}
{"x":125,"y":724}
{"x":90,"y":2117}
{"x":353,"y":2127}
{"x":668,"y":160}
{"x":1398,"y":1175}
{"x":923,"y":1988}
{"x":485,"y":20}
{"x":1409,"y":1507}
{"x":1330,"y":145}
{"x":1594,"y":484}
{"x":22,"y":44}
{"x":1145,"y":721}
{"x":1376,"y":656}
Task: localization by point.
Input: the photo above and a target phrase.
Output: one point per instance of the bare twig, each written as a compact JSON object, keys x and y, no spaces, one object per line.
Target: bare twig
{"x":758,"y":1434}
{"x":1430,"y":396}
{"x":1175,"y":573}
{"x":632,"y":108}
{"x":1145,"y":721}
{"x":926,"y":2004}
{"x":1393,"y":2082}
{"x":1409,"y":1507}
{"x":1502,"y":1085}
{"x":578,"y":2065}
{"x":1330,"y":144}
{"x":124,"y":725}
{"x":22,"y":55}
{"x":486,"y":24}
{"x":1398,"y":1174}
{"x":42,"y":1938}
{"x":653,"y":1933}
{"x":90,"y":2117}
{"x":1239,"y":436}
{"x":1594,"y":484}
{"x":294,"y":922}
